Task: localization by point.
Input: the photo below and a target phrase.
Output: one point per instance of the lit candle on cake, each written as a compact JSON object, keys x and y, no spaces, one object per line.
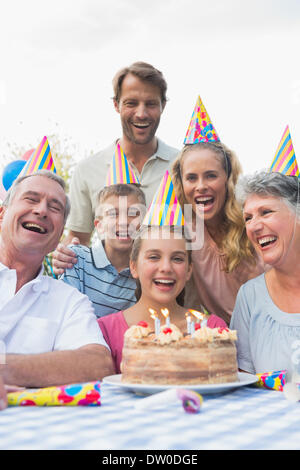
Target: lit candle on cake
{"x":165,"y":313}
{"x":154,"y":316}
{"x":188,"y":323}
{"x":199,"y":316}
{"x":196,"y":314}
{"x":204,"y":321}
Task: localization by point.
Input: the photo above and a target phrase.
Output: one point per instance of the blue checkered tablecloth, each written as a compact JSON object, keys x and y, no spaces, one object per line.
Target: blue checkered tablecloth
{"x":246,"y":418}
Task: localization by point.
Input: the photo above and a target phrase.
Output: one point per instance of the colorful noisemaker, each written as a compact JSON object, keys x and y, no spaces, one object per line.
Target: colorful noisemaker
{"x":41,"y":159}
{"x":272,"y":380}
{"x":165,"y":208}
{"x":120,"y":171}
{"x":201,"y":128}
{"x":285,"y":160}
{"x":82,"y":394}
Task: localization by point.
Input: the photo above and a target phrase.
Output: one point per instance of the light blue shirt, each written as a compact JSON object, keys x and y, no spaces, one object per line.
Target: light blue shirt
{"x":268,"y":338}
{"x":109,"y":290}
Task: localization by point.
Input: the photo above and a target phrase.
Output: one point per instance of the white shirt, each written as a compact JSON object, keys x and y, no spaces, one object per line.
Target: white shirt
{"x":44,"y":315}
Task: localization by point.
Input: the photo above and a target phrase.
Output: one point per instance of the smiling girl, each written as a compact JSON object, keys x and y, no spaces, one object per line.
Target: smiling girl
{"x":204,"y":176}
{"x":161,"y":266}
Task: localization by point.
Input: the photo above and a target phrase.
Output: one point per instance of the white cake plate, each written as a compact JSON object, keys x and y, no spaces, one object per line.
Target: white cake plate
{"x":147,"y":389}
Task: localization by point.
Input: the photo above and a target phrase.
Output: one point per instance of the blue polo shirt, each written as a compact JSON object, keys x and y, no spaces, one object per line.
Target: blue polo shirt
{"x":109,"y":290}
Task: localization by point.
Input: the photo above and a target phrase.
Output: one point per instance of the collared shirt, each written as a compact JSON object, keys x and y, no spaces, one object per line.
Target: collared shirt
{"x":94,"y":275}
{"x":90,"y":175}
{"x":44,"y":315}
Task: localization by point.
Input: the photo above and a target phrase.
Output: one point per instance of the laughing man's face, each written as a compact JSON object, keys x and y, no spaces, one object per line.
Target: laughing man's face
{"x":140,"y":108}
{"x":34,"y":218}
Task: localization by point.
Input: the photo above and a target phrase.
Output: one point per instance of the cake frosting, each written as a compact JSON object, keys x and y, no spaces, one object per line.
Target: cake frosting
{"x":209,"y":334}
{"x":137,"y":331}
{"x":169,"y":334}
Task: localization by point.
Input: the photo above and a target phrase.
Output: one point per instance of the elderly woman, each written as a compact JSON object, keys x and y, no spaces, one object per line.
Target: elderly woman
{"x":267,"y":310}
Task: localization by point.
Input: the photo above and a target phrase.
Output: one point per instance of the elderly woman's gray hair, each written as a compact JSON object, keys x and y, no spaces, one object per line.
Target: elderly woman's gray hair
{"x":49,"y":174}
{"x":265,"y":183}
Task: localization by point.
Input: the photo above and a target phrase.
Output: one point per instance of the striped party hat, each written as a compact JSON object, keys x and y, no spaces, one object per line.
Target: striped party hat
{"x":120,"y":171}
{"x":41,"y":159}
{"x":165,"y":208}
{"x":285,"y":160}
{"x":200,"y":128}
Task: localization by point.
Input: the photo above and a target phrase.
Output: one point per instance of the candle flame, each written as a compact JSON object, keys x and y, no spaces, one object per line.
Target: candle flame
{"x":153,"y":313}
{"x":165,"y":312}
{"x":187,"y":315}
{"x":196,"y":314}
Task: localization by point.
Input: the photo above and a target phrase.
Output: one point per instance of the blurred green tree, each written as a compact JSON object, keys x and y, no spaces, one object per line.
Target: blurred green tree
{"x":62,"y":149}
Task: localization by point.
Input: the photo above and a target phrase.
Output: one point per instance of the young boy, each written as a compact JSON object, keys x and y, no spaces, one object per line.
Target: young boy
{"x":102,"y":271}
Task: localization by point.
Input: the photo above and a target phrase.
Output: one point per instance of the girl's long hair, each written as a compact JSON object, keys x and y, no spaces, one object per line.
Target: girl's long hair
{"x":235,"y":245}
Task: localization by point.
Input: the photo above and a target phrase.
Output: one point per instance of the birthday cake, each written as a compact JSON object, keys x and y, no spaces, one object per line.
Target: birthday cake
{"x":208,"y":356}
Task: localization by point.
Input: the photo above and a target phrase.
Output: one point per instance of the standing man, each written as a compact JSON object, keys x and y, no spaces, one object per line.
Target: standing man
{"x":139,"y":98}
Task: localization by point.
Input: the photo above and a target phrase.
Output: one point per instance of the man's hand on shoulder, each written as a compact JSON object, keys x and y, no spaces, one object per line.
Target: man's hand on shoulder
{"x":65,"y":258}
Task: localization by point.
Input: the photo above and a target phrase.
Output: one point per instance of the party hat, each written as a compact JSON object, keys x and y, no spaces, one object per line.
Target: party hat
{"x":165,"y":208}
{"x":120,"y":171}
{"x":285,"y":160}
{"x":201,"y":128}
{"x":41,"y":159}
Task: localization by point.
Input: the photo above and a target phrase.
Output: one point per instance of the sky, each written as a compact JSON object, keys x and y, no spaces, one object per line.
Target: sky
{"x":58,"y":58}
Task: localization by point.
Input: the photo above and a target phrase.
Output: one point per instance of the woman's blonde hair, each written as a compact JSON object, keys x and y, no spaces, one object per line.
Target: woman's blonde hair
{"x":235,"y":245}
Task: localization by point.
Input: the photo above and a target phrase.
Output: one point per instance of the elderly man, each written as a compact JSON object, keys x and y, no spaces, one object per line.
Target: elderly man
{"x":48,"y":328}
{"x":139,"y":98}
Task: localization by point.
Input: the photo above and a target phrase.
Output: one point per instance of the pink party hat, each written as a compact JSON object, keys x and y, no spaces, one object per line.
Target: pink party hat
{"x":120,"y":171}
{"x":285,"y":160}
{"x":201,"y":128}
{"x":41,"y":159}
{"x":165,"y":208}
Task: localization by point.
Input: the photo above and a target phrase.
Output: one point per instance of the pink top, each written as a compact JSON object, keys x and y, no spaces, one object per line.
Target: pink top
{"x":113,"y":327}
{"x":211,"y":286}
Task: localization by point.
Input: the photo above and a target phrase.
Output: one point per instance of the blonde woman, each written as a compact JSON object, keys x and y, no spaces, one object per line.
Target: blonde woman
{"x":204,"y":176}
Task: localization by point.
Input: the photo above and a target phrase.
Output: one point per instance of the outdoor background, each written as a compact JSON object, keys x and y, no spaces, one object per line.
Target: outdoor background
{"x":58,"y":58}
